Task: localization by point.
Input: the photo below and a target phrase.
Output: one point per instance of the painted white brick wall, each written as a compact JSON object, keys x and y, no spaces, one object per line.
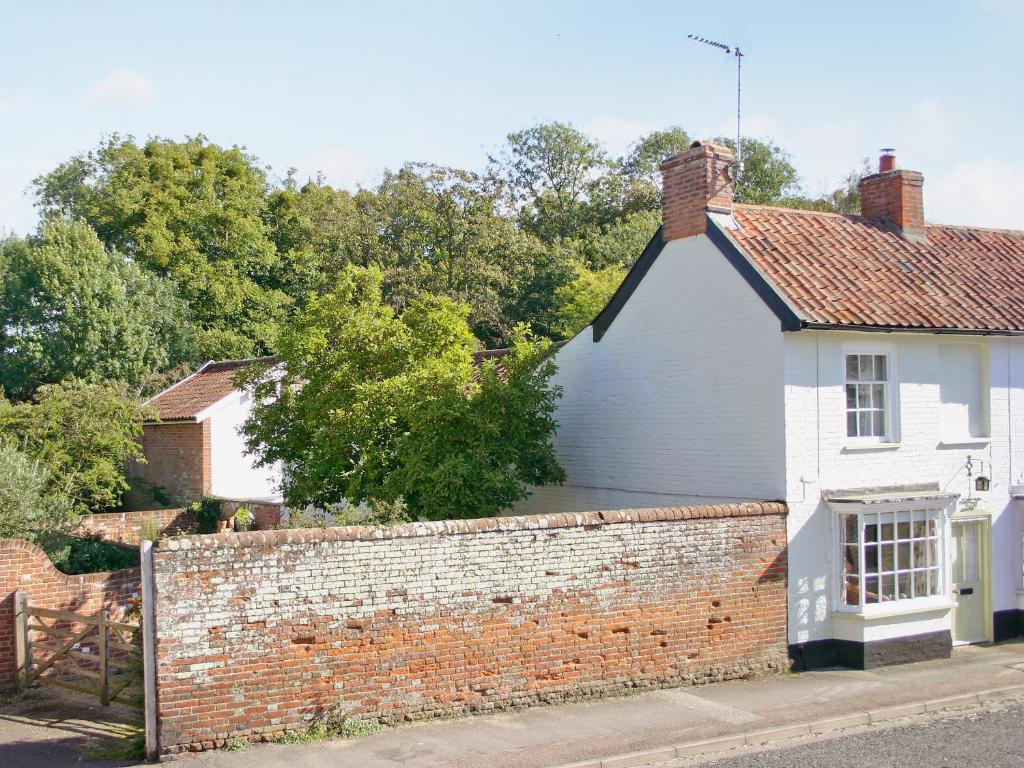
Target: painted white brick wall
{"x":681,"y":400}
{"x":234,"y":473}
{"x":817,"y":458}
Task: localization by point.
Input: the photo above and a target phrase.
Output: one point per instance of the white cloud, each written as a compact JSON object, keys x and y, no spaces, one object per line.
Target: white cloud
{"x":984,"y":193}
{"x":121,"y":85}
{"x":615,"y":133}
{"x":341,"y":168}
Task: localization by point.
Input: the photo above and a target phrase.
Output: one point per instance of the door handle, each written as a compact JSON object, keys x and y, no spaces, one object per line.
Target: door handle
{"x":964,"y":591}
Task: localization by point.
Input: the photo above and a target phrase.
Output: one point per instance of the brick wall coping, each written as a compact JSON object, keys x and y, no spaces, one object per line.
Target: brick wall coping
{"x":80,"y":579}
{"x":462,"y":527}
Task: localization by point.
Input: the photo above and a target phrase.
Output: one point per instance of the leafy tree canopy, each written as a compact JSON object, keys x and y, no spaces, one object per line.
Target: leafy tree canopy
{"x":356,"y":411}
{"x":189,"y":210}
{"x":586,"y":295}
{"x":81,"y":435}
{"x":71,"y":308}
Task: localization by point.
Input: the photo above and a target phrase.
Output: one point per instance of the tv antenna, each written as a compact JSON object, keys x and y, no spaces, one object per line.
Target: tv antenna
{"x":732,"y":50}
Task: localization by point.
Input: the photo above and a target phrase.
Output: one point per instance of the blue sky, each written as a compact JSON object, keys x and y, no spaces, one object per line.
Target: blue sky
{"x":351,"y":88}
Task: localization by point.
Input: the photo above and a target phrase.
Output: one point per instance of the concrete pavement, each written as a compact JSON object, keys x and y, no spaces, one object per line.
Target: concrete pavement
{"x":554,"y":736}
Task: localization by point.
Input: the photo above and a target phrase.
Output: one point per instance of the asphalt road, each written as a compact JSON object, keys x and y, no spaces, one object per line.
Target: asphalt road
{"x":987,"y":737}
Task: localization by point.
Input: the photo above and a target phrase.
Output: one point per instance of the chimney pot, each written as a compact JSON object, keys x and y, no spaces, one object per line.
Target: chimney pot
{"x":887,"y":162}
{"x":694,"y":182}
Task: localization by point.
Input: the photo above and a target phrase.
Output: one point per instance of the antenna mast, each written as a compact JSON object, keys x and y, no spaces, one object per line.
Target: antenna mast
{"x":732,"y":50}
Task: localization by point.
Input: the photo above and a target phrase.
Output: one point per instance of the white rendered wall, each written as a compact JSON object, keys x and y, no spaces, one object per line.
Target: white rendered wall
{"x":818,"y":458}
{"x":234,"y":473}
{"x":681,"y":400}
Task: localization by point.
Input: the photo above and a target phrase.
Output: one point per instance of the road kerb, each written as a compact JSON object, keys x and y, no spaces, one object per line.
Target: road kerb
{"x":796,"y":730}
{"x":710,"y":745}
{"x":937,"y":705}
{"x":778,"y":734}
{"x":840,"y":723}
{"x":640,"y":758}
{"x":996,"y":694}
{"x":894,"y":713}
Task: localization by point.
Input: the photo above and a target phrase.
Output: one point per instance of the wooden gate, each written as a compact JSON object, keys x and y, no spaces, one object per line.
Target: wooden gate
{"x":90,"y":654}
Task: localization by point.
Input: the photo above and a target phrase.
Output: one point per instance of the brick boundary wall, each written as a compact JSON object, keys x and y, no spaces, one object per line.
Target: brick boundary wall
{"x":262,"y":633}
{"x":124,"y":527}
{"x":25,"y":567}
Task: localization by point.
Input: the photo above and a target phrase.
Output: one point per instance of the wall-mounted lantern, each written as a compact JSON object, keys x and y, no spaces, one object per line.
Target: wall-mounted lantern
{"x":982,"y":483}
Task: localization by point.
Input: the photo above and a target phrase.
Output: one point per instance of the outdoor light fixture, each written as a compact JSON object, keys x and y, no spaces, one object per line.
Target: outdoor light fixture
{"x":981,"y":482}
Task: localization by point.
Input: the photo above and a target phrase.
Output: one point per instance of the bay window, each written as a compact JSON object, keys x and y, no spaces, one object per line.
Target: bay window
{"x":890,"y":556}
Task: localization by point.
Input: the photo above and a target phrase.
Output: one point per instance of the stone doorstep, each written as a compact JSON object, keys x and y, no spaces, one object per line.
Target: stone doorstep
{"x":796,"y":730}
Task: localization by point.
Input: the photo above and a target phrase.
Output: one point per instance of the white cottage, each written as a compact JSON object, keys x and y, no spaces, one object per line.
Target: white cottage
{"x":869,"y":370}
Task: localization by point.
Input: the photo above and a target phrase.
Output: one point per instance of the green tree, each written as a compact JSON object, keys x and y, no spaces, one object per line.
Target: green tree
{"x":190,"y":210}
{"x":71,"y":308}
{"x":642,"y":166}
{"x":29,"y":509}
{"x":344,"y":412}
{"x":585,"y":296}
{"x":475,"y":451}
{"x":547,"y":172}
{"x":768,"y":174}
{"x":82,"y":435}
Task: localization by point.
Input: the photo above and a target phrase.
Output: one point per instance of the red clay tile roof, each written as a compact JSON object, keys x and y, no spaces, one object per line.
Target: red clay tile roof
{"x":848,"y":270}
{"x":194,"y":394}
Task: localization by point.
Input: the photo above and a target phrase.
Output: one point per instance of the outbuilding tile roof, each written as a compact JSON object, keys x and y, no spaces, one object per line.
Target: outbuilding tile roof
{"x":847,"y":270}
{"x":194,"y":394}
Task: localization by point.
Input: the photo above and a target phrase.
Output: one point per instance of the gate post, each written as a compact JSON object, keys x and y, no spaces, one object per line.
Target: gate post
{"x":104,"y":654}
{"x":21,"y":640}
{"x":149,"y":650}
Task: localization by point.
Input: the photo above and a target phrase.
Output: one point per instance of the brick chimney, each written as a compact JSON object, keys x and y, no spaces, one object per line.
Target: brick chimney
{"x":895,"y":196}
{"x":693,"y":183}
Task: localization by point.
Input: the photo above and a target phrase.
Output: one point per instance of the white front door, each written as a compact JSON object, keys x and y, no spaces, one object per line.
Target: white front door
{"x":968,"y":571}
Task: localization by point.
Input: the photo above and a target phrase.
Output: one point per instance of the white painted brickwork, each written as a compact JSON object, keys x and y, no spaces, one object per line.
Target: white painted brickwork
{"x":818,"y":458}
{"x":681,"y":400}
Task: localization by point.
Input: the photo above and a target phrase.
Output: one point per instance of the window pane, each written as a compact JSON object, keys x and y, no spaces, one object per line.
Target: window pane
{"x":851,"y":594}
{"x":871,"y":532}
{"x":887,"y":532}
{"x":878,"y":423}
{"x":849,"y":528}
{"x":921,"y":584}
{"x":852,"y":558}
{"x":864,"y":422}
{"x":851,"y":395}
{"x":867,"y":371}
{"x":903,"y":556}
{"x":880,"y":372}
{"x":903,"y":529}
{"x":888,"y":591}
{"x":871,"y":589}
{"x":919,"y":529}
{"x":903,"y":586}
{"x":863,"y":395}
{"x":870,"y":558}
{"x":878,"y":395}
{"x":933,"y":582}
{"x":851,"y":368}
{"x":888,"y":558}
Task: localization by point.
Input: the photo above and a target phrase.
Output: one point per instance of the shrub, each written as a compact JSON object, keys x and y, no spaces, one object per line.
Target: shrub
{"x":243,"y":518}
{"x":207,"y":513}
{"x":28,"y":508}
{"x":87,"y":553}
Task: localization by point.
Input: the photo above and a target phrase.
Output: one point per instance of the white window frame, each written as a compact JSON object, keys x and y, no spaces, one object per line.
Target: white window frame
{"x":939,"y":600}
{"x":891,"y":389}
